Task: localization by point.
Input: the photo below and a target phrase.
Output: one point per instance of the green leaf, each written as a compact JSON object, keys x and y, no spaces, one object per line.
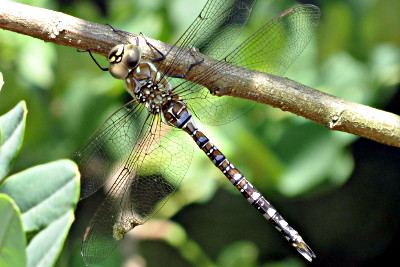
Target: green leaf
{"x":44,"y":248}
{"x":47,"y":195}
{"x":12,"y":127}
{"x":44,"y":192}
{"x":12,"y":236}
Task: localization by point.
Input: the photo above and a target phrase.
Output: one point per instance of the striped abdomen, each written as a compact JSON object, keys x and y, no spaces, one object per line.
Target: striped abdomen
{"x":176,"y":114}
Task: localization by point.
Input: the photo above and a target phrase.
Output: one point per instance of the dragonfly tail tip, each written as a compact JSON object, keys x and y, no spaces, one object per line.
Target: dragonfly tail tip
{"x":305,"y":251}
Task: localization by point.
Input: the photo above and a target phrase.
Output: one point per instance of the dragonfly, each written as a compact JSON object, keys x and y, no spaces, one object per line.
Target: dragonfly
{"x":140,"y":154}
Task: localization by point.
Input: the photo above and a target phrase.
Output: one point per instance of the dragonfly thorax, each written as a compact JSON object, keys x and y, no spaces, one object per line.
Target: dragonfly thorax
{"x":154,"y":97}
{"x":144,"y":82}
{"x":142,"y":79}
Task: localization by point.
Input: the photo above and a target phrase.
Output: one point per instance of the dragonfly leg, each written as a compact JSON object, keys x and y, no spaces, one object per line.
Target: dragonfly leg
{"x":121,"y":32}
{"x":95,"y":61}
{"x":191,"y":66}
{"x":162,"y":56}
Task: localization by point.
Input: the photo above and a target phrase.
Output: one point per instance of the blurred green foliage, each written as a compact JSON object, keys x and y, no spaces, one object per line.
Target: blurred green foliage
{"x":354,"y":55}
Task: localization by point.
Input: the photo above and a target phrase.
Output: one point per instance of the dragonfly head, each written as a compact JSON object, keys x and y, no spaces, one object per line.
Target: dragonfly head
{"x":122,"y":59}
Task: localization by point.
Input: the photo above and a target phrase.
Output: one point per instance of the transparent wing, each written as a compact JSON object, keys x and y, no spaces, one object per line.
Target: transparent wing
{"x":151,"y":169}
{"x":211,"y":33}
{"x":272,"y":49}
{"x":276,"y":45}
{"x":101,"y":157}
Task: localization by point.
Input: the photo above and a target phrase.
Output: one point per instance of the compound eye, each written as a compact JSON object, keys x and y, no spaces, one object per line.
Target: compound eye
{"x":132,"y":56}
{"x":118,"y":71}
{"x":116,"y":68}
{"x":122,"y":59}
{"x":116,"y":53}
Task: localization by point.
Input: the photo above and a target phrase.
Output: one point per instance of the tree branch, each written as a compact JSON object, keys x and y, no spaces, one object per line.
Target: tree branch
{"x":330,"y":111}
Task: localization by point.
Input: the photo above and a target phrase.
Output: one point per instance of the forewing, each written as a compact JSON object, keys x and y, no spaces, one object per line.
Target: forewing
{"x":276,"y":45}
{"x":211,"y":33}
{"x":272,"y":49}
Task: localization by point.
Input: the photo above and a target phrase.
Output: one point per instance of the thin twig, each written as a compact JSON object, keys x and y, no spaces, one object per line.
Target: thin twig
{"x":330,"y":111}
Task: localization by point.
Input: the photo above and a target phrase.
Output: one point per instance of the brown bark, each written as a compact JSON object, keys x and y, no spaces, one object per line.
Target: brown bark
{"x":332,"y":112}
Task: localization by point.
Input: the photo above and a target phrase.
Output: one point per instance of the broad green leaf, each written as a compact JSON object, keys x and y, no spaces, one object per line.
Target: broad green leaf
{"x":12,"y":236}
{"x":12,"y":127}
{"x":45,"y":247}
{"x":47,"y":195}
{"x":44,"y":193}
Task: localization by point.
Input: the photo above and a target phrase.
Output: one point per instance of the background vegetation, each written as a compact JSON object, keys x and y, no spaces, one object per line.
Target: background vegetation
{"x":340,"y":192}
